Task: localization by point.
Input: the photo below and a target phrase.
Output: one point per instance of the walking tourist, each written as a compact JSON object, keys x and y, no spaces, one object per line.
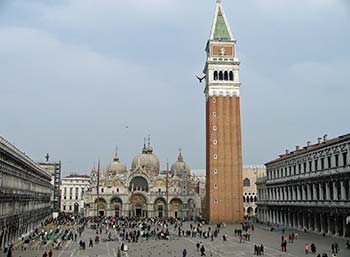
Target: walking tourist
{"x":9,"y":251}
{"x":313,"y":248}
{"x":307,"y":248}
{"x":203,"y":251}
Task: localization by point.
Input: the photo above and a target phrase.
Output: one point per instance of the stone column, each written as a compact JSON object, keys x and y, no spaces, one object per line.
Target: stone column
{"x":336,"y":231}
{"x":321,"y":191}
{"x":327,"y":192}
{"x":301,"y":220}
{"x":329,"y":226}
{"x":342,"y":187}
{"x":310,"y":221}
{"x":286,"y":222}
{"x":335,"y":191}
{"x":344,"y":226}
{"x":306,"y":221}
{"x":314,"y":195}
{"x":321,"y":223}
{"x":289,"y":219}
{"x":298,"y":193}
{"x":316,"y":228}
{"x":309,"y":192}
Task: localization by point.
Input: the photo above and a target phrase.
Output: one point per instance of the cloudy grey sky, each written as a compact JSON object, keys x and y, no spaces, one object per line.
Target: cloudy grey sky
{"x":75,"y":73}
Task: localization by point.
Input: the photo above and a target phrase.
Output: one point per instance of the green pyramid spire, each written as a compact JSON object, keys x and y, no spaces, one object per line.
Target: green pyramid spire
{"x":221,"y":30}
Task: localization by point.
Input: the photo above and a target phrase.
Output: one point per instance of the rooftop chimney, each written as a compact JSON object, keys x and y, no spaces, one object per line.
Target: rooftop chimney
{"x":325,"y":138}
{"x":297,"y":148}
{"x":287,"y":151}
{"x":308,"y":143}
{"x":319,"y":140}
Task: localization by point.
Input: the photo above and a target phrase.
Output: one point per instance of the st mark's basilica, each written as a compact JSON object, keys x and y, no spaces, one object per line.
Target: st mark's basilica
{"x":143,"y":190}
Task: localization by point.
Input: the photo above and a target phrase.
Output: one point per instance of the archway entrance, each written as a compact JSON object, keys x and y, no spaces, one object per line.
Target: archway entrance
{"x":175,"y":208}
{"x":138,"y":204}
{"x":191,"y":209}
{"x":159,"y":207}
{"x":76,"y":208}
{"x":250,"y":211}
{"x":117,"y":206}
{"x":101,"y":206}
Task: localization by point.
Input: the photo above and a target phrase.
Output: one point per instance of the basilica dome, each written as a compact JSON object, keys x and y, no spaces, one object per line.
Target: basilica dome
{"x":179,"y":167}
{"x":147,"y":161}
{"x":116,"y":167}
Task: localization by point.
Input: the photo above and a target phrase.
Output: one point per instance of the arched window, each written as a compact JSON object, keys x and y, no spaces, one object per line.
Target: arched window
{"x":251,"y":199}
{"x":246,"y":182}
{"x":215,"y":75}
{"x":255,"y":199}
{"x":231,"y":75}
{"x":244,"y":199}
{"x":221,"y":75}
{"x":247,"y":199}
{"x":226,"y":75}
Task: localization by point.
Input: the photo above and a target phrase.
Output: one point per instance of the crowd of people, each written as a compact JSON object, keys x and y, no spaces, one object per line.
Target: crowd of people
{"x":124,"y":231}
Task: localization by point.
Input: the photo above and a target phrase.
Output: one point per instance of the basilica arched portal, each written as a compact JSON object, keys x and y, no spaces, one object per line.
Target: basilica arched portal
{"x":117,"y":206}
{"x":176,"y":208}
{"x":101,"y":206}
{"x":159,"y":207}
{"x":138,"y":206}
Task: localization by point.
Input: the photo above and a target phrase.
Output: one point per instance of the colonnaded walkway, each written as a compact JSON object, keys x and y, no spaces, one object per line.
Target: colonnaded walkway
{"x":218,"y":248}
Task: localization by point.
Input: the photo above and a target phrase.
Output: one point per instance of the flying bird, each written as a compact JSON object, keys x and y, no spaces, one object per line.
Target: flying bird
{"x":201,"y":79}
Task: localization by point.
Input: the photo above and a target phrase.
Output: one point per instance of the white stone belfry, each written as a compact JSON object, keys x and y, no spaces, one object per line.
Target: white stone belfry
{"x":222,"y":65}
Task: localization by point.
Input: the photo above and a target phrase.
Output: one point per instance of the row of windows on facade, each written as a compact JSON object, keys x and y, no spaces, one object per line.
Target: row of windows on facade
{"x":326,"y":191}
{"x":71,"y":193}
{"x":223,"y":75}
{"x":16,"y":168}
{"x":249,"y":199}
{"x":316,"y":165}
{"x":69,"y":207}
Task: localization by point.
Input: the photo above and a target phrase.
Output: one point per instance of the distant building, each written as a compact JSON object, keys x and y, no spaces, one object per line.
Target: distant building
{"x":73,"y":188}
{"x":199,"y":185}
{"x":25,"y":193}
{"x":309,"y":188}
{"x":54,"y":169}
{"x":250,"y":174}
{"x":143,"y":190}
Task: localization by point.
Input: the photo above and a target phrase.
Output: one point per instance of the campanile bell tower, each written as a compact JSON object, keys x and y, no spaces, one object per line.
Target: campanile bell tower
{"x":224,"y":189}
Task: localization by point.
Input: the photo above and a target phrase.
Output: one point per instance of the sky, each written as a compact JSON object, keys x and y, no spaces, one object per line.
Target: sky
{"x":79,"y":77}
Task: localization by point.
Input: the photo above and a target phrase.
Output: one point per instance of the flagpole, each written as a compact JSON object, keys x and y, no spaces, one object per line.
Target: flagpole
{"x":98,"y":183}
{"x":167,"y":189}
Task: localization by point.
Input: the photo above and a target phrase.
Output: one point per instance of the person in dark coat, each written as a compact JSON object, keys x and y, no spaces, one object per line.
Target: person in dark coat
{"x":9,"y":252}
{"x":203,"y":251}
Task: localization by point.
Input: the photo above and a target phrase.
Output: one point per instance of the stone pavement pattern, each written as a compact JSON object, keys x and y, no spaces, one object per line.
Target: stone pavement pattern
{"x":217,"y":248}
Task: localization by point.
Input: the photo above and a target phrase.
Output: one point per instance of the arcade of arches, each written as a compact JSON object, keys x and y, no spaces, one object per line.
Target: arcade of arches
{"x":144,"y":190}
{"x":138,"y":205}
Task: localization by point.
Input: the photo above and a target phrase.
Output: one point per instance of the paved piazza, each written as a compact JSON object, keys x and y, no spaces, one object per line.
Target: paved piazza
{"x":218,"y":247}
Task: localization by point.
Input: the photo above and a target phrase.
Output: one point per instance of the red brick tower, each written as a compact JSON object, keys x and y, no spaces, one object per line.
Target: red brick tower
{"x":224,"y":189}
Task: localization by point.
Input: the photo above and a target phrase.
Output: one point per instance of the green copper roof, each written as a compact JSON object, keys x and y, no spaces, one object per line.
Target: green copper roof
{"x":221,"y":31}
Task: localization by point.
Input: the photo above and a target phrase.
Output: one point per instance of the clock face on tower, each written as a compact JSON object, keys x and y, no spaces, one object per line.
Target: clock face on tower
{"x":222,"y":51}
